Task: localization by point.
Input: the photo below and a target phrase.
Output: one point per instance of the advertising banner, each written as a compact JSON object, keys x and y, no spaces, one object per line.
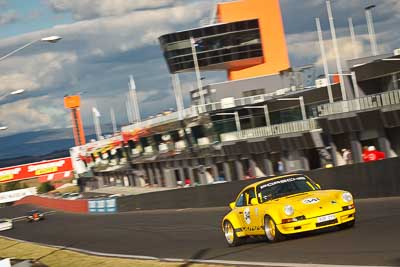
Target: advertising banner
{"x":11,"y":196}
{"x":27,"y":171}
{"x":102,"y":205}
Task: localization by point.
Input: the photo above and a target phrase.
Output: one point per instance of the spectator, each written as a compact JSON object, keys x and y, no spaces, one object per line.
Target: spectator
{"x":221,"y":177}
{"x":179,"y":183}
{"x":280,"y":167}
{"x":187,"y":182}
{"x":372,"y":154}
{"x":347,"y":156}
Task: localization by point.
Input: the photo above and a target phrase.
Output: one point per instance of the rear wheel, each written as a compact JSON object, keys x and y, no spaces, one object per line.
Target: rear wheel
{"x":230,"y":235}
{"x":271,"y":231}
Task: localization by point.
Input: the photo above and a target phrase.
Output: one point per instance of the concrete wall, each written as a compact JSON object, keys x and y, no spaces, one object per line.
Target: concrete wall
{"x":79,"y":206}
{"x":363,"y":180}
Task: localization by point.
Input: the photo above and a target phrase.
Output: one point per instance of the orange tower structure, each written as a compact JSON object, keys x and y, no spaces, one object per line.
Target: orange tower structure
{"x":268,"y":13}
{"x":73,"y":103}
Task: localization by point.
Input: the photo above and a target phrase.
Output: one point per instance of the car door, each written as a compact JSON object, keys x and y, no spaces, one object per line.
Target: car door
{"x":248,"y":214}
{"x":240,"y":205}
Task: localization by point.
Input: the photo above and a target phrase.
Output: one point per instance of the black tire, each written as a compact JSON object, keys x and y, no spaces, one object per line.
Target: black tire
{"x":230,"y":235}
{"x":272,"y":232}
{"x":347,"y":225}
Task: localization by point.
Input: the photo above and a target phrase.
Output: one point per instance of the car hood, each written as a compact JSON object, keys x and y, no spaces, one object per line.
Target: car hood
{"x":313,"y":203}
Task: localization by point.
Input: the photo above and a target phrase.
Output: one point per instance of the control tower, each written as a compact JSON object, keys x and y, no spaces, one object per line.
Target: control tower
{"x":248,"y":41}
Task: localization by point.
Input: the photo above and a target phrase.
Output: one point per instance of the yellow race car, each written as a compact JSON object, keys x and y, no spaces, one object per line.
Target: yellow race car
{"x":285,"y":205}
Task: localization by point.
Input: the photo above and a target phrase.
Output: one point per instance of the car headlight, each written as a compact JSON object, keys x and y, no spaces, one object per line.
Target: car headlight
{"x":347,"y":197}
{"x":288,"y":210}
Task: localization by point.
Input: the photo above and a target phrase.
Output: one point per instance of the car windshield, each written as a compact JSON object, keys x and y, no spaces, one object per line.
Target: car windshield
{"x":284,"y":187}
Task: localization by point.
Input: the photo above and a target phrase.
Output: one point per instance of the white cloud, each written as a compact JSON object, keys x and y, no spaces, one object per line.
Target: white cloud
{"x":8,"y":17}
{"x":33,"y":114}
{"x":39,"y":71}
{"x":16,"y":81}
{"x":114,"y":39}
{"x":87,"y":9}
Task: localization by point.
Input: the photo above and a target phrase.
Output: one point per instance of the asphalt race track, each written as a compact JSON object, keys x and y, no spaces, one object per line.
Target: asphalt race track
{"x":196,"y":234}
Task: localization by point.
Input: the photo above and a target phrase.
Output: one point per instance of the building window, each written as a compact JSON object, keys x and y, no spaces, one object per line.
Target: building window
{"x":254,"y":92}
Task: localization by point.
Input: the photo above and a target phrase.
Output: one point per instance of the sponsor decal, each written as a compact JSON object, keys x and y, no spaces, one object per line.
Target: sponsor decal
{"x":282,"y":181}
{"x":311,"y":200}
{"x":246,"y":215}
{"x":28,"y":171}
{"x":9,"y":174}
{"x":46,"y":167}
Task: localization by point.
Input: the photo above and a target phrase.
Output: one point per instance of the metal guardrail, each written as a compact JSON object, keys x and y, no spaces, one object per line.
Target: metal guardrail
{"x":363,"y":103}
{"x":273,"y":130}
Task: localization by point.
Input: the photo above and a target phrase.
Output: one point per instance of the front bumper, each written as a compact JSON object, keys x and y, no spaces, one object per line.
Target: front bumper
{"x":312,"y":223}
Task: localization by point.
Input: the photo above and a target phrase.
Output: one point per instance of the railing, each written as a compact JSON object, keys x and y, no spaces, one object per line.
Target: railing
{"x":194,"y":111}
{"x":363,"y":103}
{"x":273,"y":130}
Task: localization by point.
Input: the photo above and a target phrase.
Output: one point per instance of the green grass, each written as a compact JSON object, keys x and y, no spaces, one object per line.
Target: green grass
{"x":53,"y":257}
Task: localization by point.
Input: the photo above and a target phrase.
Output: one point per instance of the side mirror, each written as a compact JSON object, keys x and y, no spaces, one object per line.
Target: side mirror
{"x":253,"y":201}
{"x":318,"y":186}
{"x":232,"y":205}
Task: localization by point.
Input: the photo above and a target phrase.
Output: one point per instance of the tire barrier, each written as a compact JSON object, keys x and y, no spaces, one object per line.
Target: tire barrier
{"x":363,"y":180}
{"x":78,"y":206}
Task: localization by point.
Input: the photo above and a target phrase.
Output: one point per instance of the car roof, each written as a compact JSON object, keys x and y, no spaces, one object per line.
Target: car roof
{"x":272,"y":179}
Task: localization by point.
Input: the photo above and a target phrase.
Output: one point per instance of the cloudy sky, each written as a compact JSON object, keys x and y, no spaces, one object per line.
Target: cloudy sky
{"x":104,"y":41}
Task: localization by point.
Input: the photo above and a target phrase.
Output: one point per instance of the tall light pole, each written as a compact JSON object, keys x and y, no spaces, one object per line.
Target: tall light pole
{"x":113,"y":120}
{"x":134,"y":100}
{"x":96,"y":120}
{"x":50,"y":39}
{"x":266,"y":113}
{"x":176,"y":84}
{"x":371,"y":29}
{"x":353,"y":38}
{"x":336,"y":49}
{"x":354,"y":80}
{"x":197,"y":70}
{"x":325,"y":62}
{"x":237,"y":119}
{"x":302,"y":106}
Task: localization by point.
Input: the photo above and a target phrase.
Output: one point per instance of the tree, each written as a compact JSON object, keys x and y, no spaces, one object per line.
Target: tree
{"x":45,"y":187}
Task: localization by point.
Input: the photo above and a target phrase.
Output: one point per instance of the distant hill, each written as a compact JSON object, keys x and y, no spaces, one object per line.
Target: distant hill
{"x":29,"y":147}
{"x":30,"y":159}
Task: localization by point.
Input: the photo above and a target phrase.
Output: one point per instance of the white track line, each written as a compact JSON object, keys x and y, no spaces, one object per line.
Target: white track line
{"x":220,"y":262}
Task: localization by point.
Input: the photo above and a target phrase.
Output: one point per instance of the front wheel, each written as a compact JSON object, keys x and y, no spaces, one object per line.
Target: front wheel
{"x":271,"y":231}
{"x":230,"y":235}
